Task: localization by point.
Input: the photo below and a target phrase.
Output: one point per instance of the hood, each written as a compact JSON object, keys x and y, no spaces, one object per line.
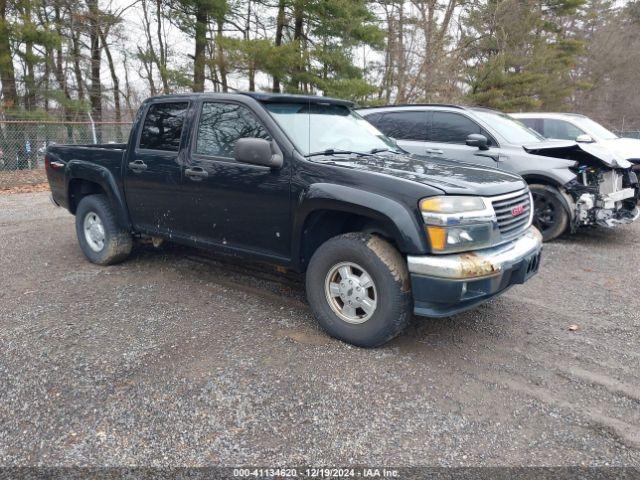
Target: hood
{"x":446,"y":175}
{"x":628,"y":148}
{"x":576,"y":151}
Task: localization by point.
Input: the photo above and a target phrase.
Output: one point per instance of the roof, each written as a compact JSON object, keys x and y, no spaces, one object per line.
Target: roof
{"x":261,"y":97}
{"x":405,"y":105}
{"x":546,"y":115}
{"x":291,"y":98}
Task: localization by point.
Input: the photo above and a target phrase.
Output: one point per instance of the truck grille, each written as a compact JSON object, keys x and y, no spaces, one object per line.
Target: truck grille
{"x":513,"y":212}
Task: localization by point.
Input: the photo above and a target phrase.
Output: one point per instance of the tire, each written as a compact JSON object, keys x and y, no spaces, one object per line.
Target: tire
{"x":362,"y":254}
{"x":550,"y":214}
{"x":117,"y":242}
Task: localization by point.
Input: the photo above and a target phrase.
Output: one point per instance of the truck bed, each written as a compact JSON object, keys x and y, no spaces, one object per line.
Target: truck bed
{"x":61,"y":158}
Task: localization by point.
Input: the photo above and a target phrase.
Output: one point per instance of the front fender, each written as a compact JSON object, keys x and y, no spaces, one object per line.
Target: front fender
{"x":396,"y":218}
{"x":102,"y":176}
{"x":555,"y":176}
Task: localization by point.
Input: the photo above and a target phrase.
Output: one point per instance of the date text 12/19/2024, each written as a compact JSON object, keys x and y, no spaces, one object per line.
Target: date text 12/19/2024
{"x":318,"y":472}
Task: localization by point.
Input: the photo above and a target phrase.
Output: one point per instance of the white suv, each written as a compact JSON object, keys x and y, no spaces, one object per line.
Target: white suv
{"x":572,"y":126}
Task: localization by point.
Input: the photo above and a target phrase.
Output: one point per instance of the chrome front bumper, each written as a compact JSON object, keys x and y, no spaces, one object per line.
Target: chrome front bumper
{"x":444,"y":285}
{"x":480,"y":263}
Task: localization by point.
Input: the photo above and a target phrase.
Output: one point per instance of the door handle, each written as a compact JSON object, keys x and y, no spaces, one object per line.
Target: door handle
{"x":434,"y":151}
{"x":138,"y":166}
{"x":196,"y":173}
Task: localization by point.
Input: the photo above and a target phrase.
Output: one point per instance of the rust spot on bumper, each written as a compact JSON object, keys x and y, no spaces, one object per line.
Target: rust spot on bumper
{"x":471,"y":265}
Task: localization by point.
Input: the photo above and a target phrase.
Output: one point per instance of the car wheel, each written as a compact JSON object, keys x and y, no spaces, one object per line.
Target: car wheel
{"x":101,"y":238}
{"x":550,"y":214}
{"x":359,"y":290}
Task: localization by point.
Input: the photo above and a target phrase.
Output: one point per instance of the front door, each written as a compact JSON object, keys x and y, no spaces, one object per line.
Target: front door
{"x":237,"y":205}
{"x":153,"y":170}
{"x":447,"y":137}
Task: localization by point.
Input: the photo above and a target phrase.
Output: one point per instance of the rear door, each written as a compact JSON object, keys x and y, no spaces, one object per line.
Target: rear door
{"x":153,"y":168}
{"x":233,"y":204}
{"x":447,"y":136}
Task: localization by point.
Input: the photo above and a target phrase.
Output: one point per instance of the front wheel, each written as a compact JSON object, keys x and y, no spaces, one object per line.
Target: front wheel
{"x":550,"y":215}
{"x":358,"y":288}
{"x":101,"y":238}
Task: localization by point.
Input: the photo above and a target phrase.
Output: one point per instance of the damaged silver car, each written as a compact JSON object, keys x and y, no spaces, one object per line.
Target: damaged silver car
{"x":573,"y":184}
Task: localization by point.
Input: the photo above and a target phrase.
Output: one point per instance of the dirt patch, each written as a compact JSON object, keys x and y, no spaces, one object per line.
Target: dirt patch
{"x":306,"y":337}
{"x":19,"y":178}
{"x":39,"y":187}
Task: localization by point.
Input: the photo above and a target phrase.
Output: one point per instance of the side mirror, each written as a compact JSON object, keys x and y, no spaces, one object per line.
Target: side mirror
{"x":477,"y":140}
{"x":257,"y":151}
{"x":584,"y":138}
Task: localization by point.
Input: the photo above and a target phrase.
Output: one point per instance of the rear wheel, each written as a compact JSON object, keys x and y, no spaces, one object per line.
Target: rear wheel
{"x":358,"y":288}
{"x":101,"y":238}
{"x":550,"y":215}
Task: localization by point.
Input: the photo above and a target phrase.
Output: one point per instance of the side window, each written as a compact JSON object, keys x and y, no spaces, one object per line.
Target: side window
{"x":162,"y":126}
{"x":409,"y":125}
{"x":449,"y":127}
{"x":561,"y":130}
{"x":533,"y":124}
{"x":373,"y":119}
{"x":222,"y":124}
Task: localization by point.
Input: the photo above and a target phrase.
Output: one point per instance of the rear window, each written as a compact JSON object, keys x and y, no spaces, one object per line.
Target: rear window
{"x":162,"y":126}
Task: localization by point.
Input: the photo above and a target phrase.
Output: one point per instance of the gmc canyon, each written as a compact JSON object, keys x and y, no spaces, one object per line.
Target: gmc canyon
{"x":305,"y":183}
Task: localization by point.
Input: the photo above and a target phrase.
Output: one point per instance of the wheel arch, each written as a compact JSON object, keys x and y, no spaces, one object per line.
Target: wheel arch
{"x":328,"y":210}
{"x":84,"y":178}
{"x":536,"y":178}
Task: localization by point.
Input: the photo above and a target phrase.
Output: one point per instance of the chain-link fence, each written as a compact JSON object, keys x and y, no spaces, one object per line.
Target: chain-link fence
{"x":628,"y":133}
{"x":23,"y":145}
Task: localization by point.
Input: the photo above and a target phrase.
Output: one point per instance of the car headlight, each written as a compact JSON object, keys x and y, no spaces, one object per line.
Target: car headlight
{"x":458,"y":223}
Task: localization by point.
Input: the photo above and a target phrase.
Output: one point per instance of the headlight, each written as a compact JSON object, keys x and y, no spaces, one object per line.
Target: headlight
{"x":451,"y":204}
{"x":457,"y":223}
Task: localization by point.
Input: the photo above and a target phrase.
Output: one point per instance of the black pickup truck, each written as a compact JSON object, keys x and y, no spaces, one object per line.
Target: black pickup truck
{"x":305,"y":183}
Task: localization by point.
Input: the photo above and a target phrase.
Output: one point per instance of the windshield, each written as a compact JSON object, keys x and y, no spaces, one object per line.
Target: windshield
{"x":318,"y":127}
{"x":594,"y":129}
{"x":512,"y":130}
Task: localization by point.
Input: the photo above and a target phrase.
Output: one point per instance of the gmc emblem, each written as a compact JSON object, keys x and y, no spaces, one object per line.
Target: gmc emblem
{"x":517,"y":210}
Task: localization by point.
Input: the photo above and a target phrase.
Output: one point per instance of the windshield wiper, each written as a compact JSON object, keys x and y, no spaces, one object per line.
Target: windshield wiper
{"x":333,"y":151}
{"x":380,"y":150}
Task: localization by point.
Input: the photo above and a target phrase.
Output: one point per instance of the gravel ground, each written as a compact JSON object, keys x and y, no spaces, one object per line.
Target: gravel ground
{"x":176,"y":359}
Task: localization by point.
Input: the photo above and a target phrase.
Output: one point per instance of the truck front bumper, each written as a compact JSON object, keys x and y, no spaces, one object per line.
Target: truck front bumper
{"x":444,"y":285}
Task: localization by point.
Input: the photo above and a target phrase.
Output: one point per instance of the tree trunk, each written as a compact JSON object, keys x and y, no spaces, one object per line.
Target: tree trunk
{"x":95,"y":89}
{"x":7,"y":73}
{"x":116,"y":86}
{"x":222,"y":67}
{"x":29,"y":60}
{"x":163,"y":50}
{"x":401,"y":59}
{"x":201,"y":45}
{"x":298,"y":27}
{"x":14,"y":138}
{"x":247,"y":36}
{"x":59,"y":74}
{"x":75,"y":53}
{"x":278,"y":40}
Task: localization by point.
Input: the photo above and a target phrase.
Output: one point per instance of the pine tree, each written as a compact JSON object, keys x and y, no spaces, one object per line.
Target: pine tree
{"x":520,"y":57}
